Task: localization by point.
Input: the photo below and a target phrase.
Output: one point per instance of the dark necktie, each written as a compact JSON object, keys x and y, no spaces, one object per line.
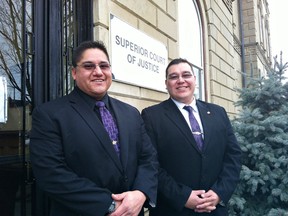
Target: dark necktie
{"x":196,"y":131}
{"x":109,"y":124}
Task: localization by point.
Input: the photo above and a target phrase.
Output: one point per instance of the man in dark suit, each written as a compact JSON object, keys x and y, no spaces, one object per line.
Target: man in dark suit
{"x":72,"y":154}
{"x":195,"y":178}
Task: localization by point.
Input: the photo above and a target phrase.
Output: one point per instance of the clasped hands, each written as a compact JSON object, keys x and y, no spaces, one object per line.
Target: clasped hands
{"x":202,"y":201}
{"x":128,"y":203}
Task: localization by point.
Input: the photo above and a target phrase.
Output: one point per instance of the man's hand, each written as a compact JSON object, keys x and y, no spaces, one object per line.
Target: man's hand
{"x":195,"y":199}
{"x":211,"y":199}
{"x":128,"y":203}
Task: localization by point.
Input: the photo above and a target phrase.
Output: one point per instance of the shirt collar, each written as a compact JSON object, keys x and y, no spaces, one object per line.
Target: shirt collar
{"x":193,"y":105}
{"x":181,"y":105}
{"x":90,"y":100}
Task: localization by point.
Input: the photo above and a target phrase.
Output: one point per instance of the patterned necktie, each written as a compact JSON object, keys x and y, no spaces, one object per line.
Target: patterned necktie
{"x":196,"y":131}
{"x":109,"y":125}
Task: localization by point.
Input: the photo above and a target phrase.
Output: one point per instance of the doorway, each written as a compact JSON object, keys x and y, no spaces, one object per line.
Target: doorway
{"x":36,"y":39}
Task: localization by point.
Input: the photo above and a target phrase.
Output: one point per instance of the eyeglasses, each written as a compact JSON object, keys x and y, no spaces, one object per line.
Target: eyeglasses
{"x":104,"y":66}
{"x":185,"y":76}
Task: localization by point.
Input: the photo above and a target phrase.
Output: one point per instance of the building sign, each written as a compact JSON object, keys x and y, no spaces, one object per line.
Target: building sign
{"x":136,"y":57}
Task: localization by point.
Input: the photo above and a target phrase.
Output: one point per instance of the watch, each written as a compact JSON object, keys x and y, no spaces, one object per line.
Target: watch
{"x":112,"y":207}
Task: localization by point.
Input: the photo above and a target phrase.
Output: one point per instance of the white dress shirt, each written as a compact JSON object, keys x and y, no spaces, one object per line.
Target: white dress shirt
{"x":186,"y":114}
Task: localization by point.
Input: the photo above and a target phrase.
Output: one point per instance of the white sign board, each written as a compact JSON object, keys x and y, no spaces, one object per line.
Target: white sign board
{"x":3,"y":100}
{"x":136,"y":57}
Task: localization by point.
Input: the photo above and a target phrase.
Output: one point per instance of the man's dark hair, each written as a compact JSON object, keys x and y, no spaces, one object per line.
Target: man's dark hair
{"x":77,"y":53}
{"x":178,"y":61}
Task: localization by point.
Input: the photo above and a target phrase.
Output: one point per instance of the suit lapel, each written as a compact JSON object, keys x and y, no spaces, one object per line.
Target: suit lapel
{"x":90,"y":118}
{"x":205,"y":115}
{"x":172,"y":112}
{"x":120,"y":114}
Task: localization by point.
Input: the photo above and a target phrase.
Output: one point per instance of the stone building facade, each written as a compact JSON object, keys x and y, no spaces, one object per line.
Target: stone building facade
{"x":234,"y":43}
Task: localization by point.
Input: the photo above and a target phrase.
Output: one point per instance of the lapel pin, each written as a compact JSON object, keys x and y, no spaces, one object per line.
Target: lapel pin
{"x":208,"y":112}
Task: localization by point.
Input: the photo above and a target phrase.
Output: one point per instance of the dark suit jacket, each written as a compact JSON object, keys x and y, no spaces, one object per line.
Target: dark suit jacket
{"x":183,"y":166}
{"x":75,"y":163}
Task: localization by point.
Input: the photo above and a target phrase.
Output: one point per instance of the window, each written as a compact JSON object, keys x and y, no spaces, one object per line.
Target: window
{"x":190,"y":40}
{"x":16,"y":66}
